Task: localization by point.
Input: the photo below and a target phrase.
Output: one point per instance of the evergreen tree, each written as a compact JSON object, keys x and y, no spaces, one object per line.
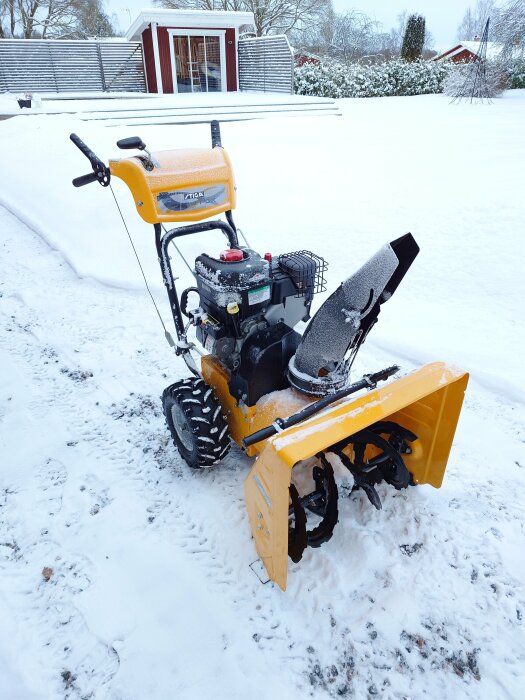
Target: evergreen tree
{"x":414,"y":38}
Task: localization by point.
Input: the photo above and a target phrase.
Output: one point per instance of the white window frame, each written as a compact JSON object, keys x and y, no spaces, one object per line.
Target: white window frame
{"x":221,"y":33}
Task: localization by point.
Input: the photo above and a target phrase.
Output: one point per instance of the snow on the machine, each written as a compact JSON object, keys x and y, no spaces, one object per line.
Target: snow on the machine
{"x":124,"y":573}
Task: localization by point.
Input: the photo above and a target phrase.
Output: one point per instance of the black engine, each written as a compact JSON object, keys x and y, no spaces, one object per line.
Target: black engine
{"x":249,"y":306}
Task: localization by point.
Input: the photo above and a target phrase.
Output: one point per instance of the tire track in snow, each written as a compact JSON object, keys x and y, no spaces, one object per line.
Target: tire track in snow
{"x":78,"y":661}
{"x":318,"y":593}
{"x":69,"y":392}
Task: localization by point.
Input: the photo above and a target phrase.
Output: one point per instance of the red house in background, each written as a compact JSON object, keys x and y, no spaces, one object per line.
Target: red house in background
{"x":189,"y":50}
{"x":466,"y":51}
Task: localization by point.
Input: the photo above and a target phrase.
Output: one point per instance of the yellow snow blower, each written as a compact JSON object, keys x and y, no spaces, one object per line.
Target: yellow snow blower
{"x":283,"y":397}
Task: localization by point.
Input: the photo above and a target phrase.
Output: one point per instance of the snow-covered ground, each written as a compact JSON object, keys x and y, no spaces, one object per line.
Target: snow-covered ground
{"x":149,"y":593}
{"x":100,"y":105}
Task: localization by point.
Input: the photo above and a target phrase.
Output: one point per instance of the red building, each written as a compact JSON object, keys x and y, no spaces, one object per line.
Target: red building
{"x":189,"y":50}
{"x":301,"y":58}
{"x":466,"y":51}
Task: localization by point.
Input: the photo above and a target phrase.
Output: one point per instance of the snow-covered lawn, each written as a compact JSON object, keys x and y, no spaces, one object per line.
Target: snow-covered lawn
{"x":149,"y":592}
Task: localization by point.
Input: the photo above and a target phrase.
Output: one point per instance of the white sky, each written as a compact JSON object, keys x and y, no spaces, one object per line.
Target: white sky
{"x":443,"y":16}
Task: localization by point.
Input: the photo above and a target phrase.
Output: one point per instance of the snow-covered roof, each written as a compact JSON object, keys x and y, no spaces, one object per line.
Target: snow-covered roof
{"x":493,"y":50}
{"x":194,"y":19}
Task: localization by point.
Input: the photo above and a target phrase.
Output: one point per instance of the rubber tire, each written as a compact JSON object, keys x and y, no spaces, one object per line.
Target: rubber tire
{"x":207,"y":439}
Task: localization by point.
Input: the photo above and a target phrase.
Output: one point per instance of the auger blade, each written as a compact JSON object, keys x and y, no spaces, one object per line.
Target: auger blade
{"x":425,"y":403}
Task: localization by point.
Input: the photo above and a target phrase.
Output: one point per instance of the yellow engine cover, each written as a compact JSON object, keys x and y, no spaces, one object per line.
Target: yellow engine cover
{"x":185,"y":185}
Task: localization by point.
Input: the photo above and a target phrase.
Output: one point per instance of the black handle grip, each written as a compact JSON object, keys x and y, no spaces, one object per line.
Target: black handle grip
{"x":132,"y":142}
{"x":101,"y":172}
{"x":85,"y":150}
{"x":85,"y":179}
{"x":184,"y":299}
{"x":215,"y":134}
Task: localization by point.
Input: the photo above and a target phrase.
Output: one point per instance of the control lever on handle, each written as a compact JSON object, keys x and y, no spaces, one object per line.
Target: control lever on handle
{"x":100,"y":171}
{"x":215,"y":134}
{"x":132,"y":142}
{"x":85,"y":150}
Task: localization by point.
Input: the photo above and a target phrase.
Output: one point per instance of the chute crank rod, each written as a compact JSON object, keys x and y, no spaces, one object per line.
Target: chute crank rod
{"x":369,"y":381}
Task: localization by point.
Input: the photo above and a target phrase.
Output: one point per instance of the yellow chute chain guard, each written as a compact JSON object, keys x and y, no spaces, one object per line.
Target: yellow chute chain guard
{"x":284,"y":397}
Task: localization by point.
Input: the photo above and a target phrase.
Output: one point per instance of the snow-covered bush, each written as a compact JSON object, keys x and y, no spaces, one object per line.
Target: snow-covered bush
{"x":515,"y":69}
{"x":461,"y":81}
{"x":333,"y":79}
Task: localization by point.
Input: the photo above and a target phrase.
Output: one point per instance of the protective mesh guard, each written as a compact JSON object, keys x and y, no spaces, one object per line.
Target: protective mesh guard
{"x":306,"y":271}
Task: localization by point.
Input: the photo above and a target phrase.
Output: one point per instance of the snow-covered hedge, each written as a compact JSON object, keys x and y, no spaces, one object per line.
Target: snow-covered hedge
{"x":515,"y":69}
{"x":334,"y":79}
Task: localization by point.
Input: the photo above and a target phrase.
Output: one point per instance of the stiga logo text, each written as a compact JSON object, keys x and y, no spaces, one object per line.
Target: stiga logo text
{"x":193,"y":195}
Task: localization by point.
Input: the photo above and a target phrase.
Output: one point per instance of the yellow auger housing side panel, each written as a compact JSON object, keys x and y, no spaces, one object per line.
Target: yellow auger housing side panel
{"x":427,"y":402}
{"x":184,"y":185}
{"x":244,"y":420}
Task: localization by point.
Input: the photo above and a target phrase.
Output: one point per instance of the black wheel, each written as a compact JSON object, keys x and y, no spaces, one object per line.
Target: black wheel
{"x":197,"y":426}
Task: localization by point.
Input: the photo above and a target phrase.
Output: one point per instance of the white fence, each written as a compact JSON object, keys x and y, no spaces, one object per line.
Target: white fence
{"x":42,"y":65}
{"x":266,"y":64}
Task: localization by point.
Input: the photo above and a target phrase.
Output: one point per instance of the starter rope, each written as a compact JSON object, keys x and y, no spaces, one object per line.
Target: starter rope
{"x":166,"y":332}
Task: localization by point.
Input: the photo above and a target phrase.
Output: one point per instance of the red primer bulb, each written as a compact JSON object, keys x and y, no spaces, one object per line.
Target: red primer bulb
{"x":232,"y":255}
{"x":268,"y":257}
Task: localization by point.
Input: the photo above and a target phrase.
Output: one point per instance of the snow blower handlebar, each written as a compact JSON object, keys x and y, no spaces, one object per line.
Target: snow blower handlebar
{"x":215,"y":134}
{"x":369,"y":381}
{"x":100,"y":171}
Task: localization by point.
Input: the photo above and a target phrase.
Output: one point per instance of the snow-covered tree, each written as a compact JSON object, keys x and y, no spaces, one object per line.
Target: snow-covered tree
{"x":271,"y":16}
{"x":507,"y":24}
{"x":57,"y":19}
{"x":414,"y":38}
{"x":7,"y":18}
{"x":347,"y":36}
{"x":397,"y":34}
{"x":509,"y":28}
{"x":92,"y":20}
{"x":474,"y":19}
{"x":461,"y":81}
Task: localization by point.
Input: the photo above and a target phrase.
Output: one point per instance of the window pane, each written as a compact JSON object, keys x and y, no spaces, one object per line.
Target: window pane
{"x":198,"y":64}
{"x":182,"y":63}
{"x":213,"y":61}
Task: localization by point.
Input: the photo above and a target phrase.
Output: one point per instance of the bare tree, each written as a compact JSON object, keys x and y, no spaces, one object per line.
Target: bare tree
{"x":7,"y":15}
{"x":271,"y":16}
{"x":47,"y":19}
{"x":397,"y":33}
{"x":354,"y":36}
{"x":347,"y":36}
{"x":509,"y":28}
{"x":57,"y":19}
{"x":91,"y":20}
{"x":474,"y":19}
{"x":507,"y":24}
